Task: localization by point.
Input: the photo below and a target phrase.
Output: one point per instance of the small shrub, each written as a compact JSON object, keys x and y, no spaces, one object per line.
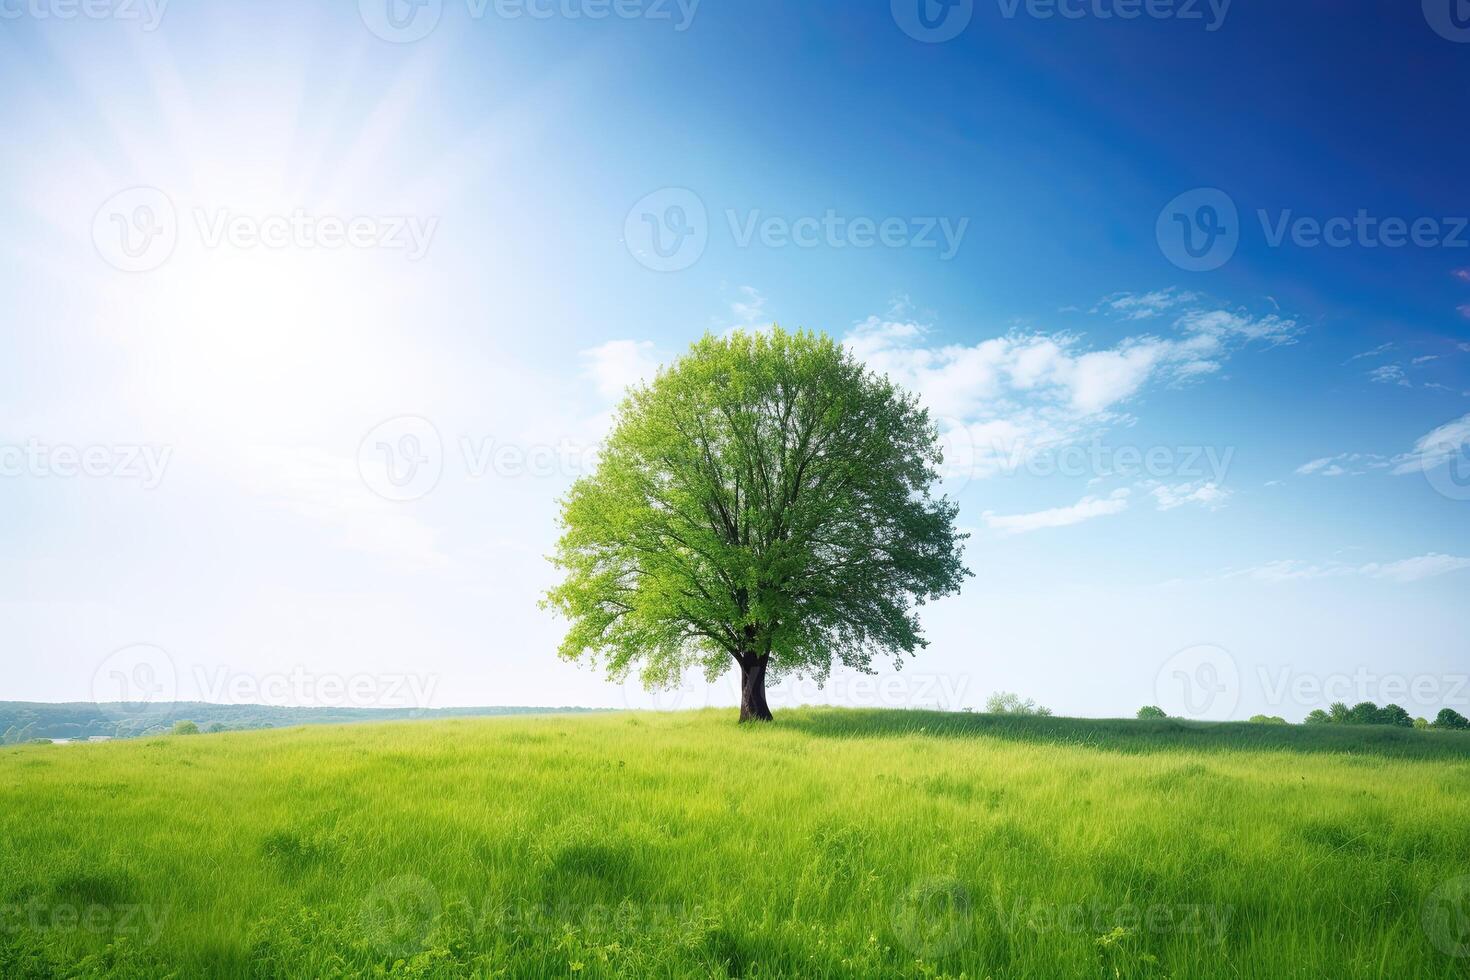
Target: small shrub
{"x":1005,"y":703}
{"x":185,"y":728}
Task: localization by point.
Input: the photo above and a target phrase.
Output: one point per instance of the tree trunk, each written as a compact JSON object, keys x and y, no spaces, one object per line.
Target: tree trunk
{"x":753,"y":705}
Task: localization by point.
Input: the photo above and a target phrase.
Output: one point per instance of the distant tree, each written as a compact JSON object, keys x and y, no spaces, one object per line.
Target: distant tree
{"x":1392,"y":714}
{"x":185,"y":728}
{"x":1450,"y":719}
{"x":1421,"y":723}
{"x":42,"y":741}
{"x":1318,"y":717}
{"x":1267,"y":720}
{"x":1150,"y":711}
{"x":1339,"y":713}
{"x":766,"y":503}
{"x":1363,"y":713}
{"x":215,"y":728}
{"x":1005,"y":703}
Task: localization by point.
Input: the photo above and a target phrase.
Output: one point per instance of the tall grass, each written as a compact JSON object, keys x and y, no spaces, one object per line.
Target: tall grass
{"x":830,"y":844}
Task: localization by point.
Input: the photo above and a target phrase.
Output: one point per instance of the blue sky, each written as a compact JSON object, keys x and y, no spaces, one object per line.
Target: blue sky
{"x":995,"y":219}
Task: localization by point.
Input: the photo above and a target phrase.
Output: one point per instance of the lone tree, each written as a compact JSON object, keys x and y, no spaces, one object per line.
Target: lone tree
{"x":766,"y":502}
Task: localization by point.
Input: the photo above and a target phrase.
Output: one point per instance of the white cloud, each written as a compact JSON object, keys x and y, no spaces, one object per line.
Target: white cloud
{"x":1414,"y":569}
{"x":749,"y":310}
{"x":1375,"y":352}
{"x":1014,"y":396}
{"x":1405,"y":570}
{"x":1449,"y":441}
{"x":1143,"y":306}
{"x":1343,"y":464}
{"x":1084,"y":510}
{"x":1390,"y":374}
{"x":1205,"y":493}
{"x":617,"y":364}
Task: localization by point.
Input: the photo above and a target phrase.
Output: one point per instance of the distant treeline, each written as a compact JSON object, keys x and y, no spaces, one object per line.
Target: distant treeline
{"x":1362,"y":713}
{"x":24,"y":721}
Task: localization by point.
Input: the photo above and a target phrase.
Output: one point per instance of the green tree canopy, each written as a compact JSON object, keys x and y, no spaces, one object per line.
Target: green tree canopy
{"x":1451,"y":719}
{"x":766,"y":502}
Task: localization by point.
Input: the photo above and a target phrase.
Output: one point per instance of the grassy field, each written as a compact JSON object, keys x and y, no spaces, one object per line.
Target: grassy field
{"x":832,"y":843}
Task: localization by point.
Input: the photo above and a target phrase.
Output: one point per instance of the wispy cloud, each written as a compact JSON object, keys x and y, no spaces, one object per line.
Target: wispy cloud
{"x":1083,"y":510}
{"x":1030,"y":391}
{"x":1404,"y":570}
{"x":1378,"y":351}
{"x":1204,"y":493}
{"x":1144,"y":306}
{"x":1344,"y":464}
{"x":614,"y":366}
{"x":1390,"y":374}
{"x":1437,"y":448}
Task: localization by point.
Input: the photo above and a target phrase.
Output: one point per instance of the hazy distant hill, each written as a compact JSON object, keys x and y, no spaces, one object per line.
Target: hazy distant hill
{"x":21,"y":721}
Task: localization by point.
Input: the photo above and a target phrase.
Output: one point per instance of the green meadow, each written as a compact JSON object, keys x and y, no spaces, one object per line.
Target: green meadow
{"x":831,"y":843}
